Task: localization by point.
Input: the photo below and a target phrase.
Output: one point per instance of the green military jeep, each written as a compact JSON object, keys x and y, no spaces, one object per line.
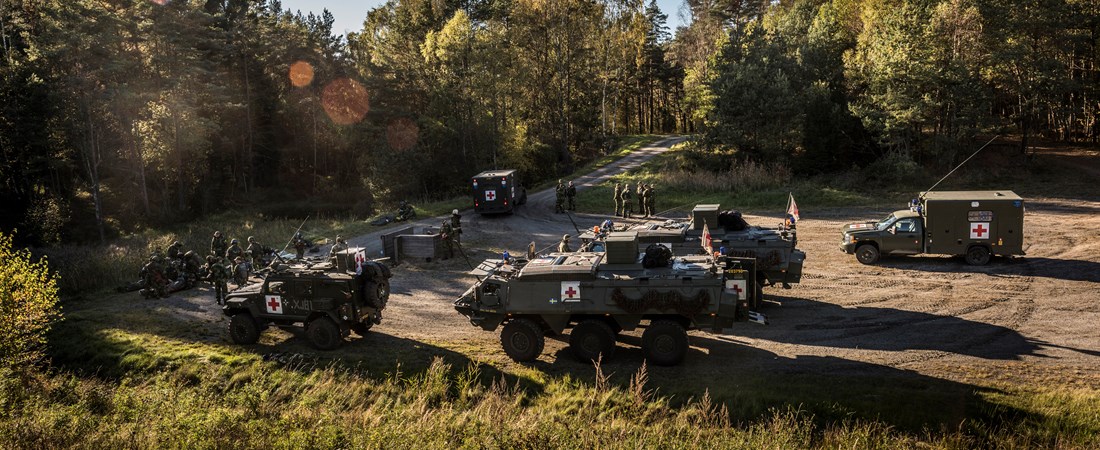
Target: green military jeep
{"x":329,"y":302}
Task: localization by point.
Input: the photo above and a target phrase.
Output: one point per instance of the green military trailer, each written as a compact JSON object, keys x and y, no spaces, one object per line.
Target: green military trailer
{"x":778,"y":260}
{"x":972,"y":224}
{"x":330,"y":299}
{"x":596,"y":295}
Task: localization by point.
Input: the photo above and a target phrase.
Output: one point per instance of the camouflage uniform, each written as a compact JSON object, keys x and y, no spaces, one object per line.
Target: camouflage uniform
{"x":627,"y":198}
{"x":650,"y":201}
{"x":217,"y":274}
{"x":563,"y":246}
{"x":641,"y":199}
{"x":446,"y":234}
{"x":255,"y":250}
{"x":174,"y":250}
{"x":241,"y":269}
{"x":456,"y":225}
{"x":300,"y":245}
{"x":617,"y":197}
{"x":559,"y":198}
{"x":155,"y":281}
{"x":234,"y":251}
{"x":571,"y":196}
{"x":218,"y":244}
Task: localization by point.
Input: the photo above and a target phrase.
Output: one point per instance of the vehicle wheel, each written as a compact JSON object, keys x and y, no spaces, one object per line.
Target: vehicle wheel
{"x":522,"y":340}
{"x":243,"y":329}
{"x":977,"y":256}
{"x":324,"y":334}
{"x":664,"y":343}
{"x":591,"y":338}
{"x":867,"y":254}
{"x":362,"y":328}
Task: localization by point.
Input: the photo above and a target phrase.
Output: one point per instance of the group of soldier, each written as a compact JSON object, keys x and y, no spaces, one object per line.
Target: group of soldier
{"x":624,"y":199}
{"x":565,"y":197}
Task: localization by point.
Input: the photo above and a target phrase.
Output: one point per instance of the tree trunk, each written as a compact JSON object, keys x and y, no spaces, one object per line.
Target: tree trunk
{"x":91,"y":165}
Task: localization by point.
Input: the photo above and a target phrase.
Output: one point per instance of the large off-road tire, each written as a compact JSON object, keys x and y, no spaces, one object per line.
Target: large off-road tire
{"x":324,"y":334}
{"x":522,"y":340}
{"x":591,"y":338}
{"x":243,"y":329}
{"x":977,"y":255}
{"x":664,"y":343}
{"x":867,"y":254}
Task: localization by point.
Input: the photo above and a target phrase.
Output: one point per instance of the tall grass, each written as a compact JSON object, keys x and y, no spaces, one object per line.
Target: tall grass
{"x":744,"y":176}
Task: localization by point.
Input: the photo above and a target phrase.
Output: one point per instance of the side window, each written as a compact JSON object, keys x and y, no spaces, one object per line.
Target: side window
{"x":304,"y":289}
{"x":276,"y":287}
{"x":905,"y":226}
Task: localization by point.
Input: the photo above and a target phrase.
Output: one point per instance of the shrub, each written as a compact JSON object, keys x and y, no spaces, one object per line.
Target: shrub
{"x":28,"y":306}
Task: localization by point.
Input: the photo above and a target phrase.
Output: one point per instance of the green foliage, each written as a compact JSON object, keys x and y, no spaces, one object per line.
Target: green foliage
{"x":28,"y":307}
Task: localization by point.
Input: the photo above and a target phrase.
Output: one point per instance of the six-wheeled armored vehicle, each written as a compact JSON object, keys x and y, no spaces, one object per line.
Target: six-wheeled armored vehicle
{"x":596,"y":295}
{"x":974,"y":224}
{"x":778,"y":261}
{"x":330,"y":300}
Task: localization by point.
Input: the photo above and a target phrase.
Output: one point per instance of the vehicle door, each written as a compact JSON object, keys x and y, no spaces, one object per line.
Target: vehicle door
{"x":903,"y":237}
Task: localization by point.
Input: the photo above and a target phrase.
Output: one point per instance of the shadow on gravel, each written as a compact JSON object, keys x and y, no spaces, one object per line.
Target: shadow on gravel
{"x":753,"y":383}
{"x":872,"y":328}
{"x":1058,"y":269}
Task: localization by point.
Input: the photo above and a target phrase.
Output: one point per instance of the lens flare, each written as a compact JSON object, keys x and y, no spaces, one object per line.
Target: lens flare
{"x":345,"y":101}
{"x":159,"y":2}
{"x":402,"y":134}
{"x":301,"y":74}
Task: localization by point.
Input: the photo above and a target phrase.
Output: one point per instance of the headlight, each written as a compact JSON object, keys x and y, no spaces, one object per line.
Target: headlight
{"x":847,"y":238}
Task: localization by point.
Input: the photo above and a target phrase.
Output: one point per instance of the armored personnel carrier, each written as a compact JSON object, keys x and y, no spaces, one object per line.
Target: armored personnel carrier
{"x":778,"y":261}
{"x":598,"y":294}
{"x":330,"y":300}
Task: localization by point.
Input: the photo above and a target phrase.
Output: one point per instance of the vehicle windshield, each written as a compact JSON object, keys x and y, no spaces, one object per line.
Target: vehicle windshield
{"x":882,"y":224}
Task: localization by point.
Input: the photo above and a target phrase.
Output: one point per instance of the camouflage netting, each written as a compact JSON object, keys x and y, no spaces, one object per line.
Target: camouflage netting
{"x":662,"y":301}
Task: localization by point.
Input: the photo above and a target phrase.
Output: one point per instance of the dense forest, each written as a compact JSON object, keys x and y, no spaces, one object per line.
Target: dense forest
{"x":116,"y":114}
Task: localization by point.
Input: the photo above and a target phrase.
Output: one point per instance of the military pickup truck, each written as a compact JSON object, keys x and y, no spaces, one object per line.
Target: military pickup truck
{"x":329,"y":299}
{"x":778,"y":261}
{"x":597,"y":295}
{"x":972,"y":224}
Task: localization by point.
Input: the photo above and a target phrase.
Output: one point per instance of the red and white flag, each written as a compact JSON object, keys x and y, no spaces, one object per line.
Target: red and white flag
{"x":792,"y":208}
{"x":706,"y":240}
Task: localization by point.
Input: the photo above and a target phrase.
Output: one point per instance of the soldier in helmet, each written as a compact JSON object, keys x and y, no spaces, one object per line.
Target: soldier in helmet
{"x":155,"y":281}
{"x":559,"y":198}
{"x":617,"y":197}
{"x":628,"y":201}
{"x":241,"y":270}
{"x":641,"y":199}
{"x":255,"y":250}
{"x":175,"y":250}
{"x":192,"y":266}
{"x":650,"y":201}
{"x":563,"y":246}
{"x":456,"y":224}
{"x":405,"y":211}
{"x":300,"y":245}
{"x":571,"y":196}
{"x":340,"y":245}
{"x":217,"y":274}
{"x":234,"y":251}
{"x":446,"y":234}
{"x":218,"y":244}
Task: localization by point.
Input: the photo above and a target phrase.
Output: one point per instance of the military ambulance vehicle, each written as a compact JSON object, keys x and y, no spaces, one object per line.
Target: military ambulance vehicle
{"x":778,"y":261}
{"x":329,"y":299}
{"x":597,"y":295}
{"x":972,"y":224}
{"x":497,"y":191}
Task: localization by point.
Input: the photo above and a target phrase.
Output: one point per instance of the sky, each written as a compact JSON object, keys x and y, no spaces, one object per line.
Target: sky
{"x":349,"y":14}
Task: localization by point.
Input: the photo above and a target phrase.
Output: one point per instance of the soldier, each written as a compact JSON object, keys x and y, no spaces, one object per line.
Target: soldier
{"x":571,"y":196}
{"x":217,"y":244}
{"x":456,"y":225}
{"x":531,"y":255}
{"x":628,"y":201}
{"x":339,"y":246}
{"x":641,"y":200}
{"x":650,"y":201}
{"x":192,"y":266}
{"x":446,"y":234}
{"x":559,"y":198}
{"x":256,"y":250}
{"x":241,"y":270}
{"x":563,"y":246}
{"x":299,"y":245}
{"x":234,"y":251}
{"x":155,"y":281}
{"x":217,"y":274}
{"x":617,"y":197}
{"x":174,"y":250}
{"x":405,"y":211}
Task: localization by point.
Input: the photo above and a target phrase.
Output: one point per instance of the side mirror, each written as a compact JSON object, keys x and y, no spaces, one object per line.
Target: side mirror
{"x":893,"y":230}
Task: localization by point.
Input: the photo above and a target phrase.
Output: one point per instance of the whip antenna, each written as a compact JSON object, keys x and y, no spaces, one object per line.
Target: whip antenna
{"x":958,"y":166}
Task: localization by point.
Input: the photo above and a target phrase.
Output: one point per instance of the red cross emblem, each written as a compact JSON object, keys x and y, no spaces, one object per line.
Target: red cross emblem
{"x":979,"y":230}
{"x":570,"y":292}
{"x":274,"y":304}
{"x":490,"y":195}
{"x":736,"y":287}
{"x":737,"y":290}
